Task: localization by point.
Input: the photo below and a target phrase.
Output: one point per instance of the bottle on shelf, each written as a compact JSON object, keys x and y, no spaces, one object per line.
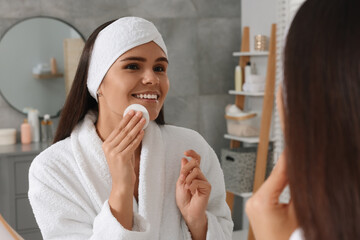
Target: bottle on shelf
{"x":247,"y":71}
{"x":25,"y":130}
{"x":33,"y":118}
{"x":253,"y":68}
{"x":238,"y":79}
{"x":46,"y":129}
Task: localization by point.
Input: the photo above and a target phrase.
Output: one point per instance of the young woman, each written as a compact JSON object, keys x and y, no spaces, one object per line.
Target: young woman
{"x":107,"y":178}
{"x":320,"y":109}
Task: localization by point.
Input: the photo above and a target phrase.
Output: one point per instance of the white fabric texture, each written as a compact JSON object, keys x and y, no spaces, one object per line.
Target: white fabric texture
{"x":69,"y":186}
{"x":297,"y":235}
{"x":116,"y":39}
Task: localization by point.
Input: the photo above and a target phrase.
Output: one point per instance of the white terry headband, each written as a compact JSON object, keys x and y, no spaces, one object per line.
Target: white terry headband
{"x":113,"y":41}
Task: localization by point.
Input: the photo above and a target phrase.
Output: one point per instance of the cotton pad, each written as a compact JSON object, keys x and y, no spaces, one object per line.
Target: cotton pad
{"x":141,"y":108}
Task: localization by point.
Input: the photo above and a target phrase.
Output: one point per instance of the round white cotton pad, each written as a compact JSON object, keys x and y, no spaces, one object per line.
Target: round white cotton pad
{"x":141,"y":108}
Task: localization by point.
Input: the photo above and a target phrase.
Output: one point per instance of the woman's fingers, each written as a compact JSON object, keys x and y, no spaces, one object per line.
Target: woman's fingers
{"x":126,"y":138}
{"x":135,"y":143}
{"x":276,"y":182}
{"x":202,"y":186}
{"x":193,"y":155}
{"x":194,"y":174}
{"x":126,"y":119}
{"x":126,"y":130}
{"x":189,"y":166}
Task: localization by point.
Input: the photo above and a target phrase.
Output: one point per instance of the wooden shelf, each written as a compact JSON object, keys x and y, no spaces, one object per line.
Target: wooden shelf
{"x":254,"y":94}
{"x":251,"y":54}
{"x":48,"y":76}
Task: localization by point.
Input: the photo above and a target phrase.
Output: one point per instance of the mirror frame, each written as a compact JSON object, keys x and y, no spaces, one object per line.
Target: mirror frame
{"x":25,"y":19}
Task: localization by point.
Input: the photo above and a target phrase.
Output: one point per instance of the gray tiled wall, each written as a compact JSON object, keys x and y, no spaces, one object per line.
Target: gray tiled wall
{"x":200,"y":36}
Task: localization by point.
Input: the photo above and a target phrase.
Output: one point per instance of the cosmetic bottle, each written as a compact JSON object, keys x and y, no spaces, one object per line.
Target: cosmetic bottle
{"x":25,"y":130}
{"x":253,"y":68}
{"x":247,"y":71}
{"x":46,"y":129}
{"x":238,"y":80}
{"x":33,"y":118}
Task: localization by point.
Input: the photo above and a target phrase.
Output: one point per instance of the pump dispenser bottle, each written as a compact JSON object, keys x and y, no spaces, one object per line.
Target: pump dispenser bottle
{"x":46,"y":129}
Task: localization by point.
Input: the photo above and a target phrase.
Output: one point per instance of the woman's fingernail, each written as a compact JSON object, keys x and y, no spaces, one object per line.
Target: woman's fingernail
{"x":131,"y":113}
{"x":138,"y":113}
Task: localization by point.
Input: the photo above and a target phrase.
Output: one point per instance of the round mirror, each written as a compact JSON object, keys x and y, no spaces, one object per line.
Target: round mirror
{"x":32,"y":64}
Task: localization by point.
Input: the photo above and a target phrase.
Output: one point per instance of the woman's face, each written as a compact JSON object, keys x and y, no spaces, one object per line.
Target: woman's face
{"x":138,"y":76}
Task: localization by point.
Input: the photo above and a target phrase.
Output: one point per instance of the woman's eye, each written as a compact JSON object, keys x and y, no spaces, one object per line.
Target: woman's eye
{"x":159,"y":69}
{"x":132,"y":67}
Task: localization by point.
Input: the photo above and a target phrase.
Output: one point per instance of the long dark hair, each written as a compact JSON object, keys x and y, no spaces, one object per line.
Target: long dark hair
{"x":79,"y":100}
{"x":322,"y":118}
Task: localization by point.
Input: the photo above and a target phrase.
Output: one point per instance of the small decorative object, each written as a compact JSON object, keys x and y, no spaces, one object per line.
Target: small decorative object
{"x":41,"y":68}
{"x":260,"y":43}
{"x":53,"y":66}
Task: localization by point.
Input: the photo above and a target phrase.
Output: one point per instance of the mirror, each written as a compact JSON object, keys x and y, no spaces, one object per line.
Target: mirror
{"x":27,"y":50}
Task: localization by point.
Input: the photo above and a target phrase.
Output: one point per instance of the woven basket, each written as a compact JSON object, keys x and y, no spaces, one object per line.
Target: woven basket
{"x":239,"y":168}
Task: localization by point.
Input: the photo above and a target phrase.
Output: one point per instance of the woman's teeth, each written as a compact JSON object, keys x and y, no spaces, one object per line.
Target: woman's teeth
{"x":147,"y":96}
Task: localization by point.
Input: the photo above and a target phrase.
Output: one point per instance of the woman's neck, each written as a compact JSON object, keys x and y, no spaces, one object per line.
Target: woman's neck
{"x":106,"y":123}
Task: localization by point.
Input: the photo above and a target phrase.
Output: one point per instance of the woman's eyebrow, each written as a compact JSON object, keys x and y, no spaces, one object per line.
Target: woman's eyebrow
{"x":162,"y":59}
{"x":141,"y":59}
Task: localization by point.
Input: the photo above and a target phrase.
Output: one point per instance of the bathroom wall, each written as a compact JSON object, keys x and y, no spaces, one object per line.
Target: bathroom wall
{"x":200,"y":35}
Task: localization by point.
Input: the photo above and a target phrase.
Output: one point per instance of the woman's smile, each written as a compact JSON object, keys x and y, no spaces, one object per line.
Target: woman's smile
{"x":147,"y":97}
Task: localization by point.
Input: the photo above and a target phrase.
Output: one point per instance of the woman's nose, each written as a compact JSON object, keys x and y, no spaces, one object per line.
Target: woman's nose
{"x":150,"y":77}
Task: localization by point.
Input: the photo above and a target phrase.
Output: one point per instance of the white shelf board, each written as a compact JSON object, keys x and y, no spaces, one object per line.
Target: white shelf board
{"x":242,"y":139}
{"x":246,"y":139}
{"x":254,"y":94}
{"x":253,"y":54}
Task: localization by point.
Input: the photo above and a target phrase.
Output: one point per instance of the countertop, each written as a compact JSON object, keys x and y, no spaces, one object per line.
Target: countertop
{"x":16,"y":149}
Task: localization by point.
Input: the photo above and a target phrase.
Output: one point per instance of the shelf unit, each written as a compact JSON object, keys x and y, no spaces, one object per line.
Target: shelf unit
{"x":268,"y":102}
{"x":250,"y":54}
{"x":242,"y":139}
{"x":48,"y":75}
{"x":245,"y":139}
{"x":253,"y":94}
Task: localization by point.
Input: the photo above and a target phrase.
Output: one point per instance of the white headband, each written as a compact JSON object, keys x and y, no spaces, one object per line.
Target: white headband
{"x":113,"y":41}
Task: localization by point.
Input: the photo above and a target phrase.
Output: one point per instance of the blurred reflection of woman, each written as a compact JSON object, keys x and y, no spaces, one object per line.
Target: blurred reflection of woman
{"x":106,"y":178}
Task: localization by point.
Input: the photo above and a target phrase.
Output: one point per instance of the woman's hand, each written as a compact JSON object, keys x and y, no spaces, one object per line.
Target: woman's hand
{"x":119,"y":148}
{"x":270,"y":219}
{"x":192,"y":195}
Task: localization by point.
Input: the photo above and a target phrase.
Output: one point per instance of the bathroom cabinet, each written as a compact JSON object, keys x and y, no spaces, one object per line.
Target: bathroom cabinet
{"x":15,"y":161}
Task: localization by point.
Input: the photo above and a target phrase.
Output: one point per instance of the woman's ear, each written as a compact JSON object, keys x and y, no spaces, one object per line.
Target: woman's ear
{"x":99,"y":92}
{"x":280,"y":106}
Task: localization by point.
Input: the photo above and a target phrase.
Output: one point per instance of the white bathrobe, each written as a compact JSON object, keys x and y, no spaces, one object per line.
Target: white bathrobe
{"x":70,"y":182}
